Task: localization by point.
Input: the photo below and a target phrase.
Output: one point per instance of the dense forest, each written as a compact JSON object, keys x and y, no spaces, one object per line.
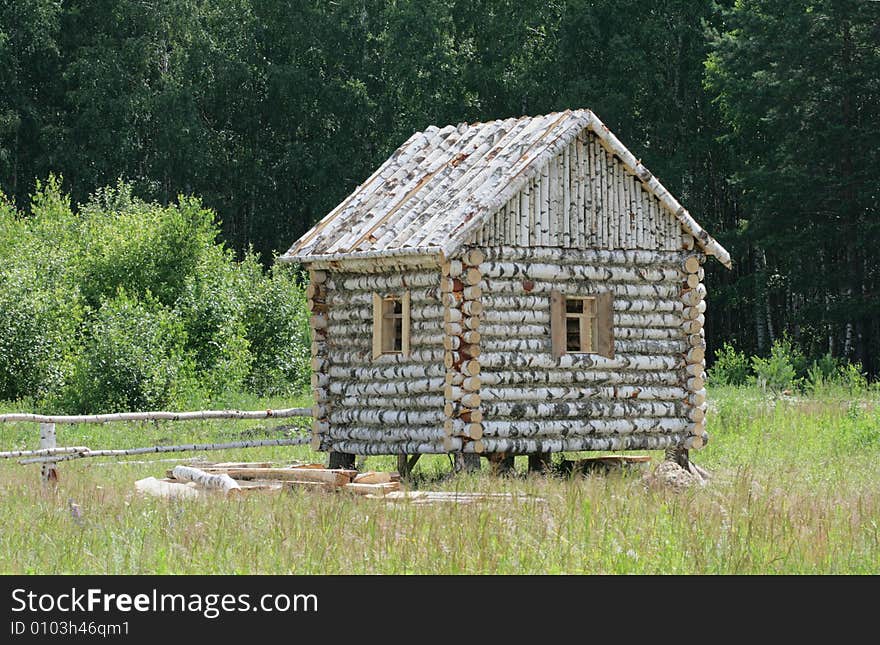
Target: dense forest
{"x":761,"y":116}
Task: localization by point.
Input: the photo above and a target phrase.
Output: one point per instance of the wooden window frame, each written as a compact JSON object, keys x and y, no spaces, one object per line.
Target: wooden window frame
{"x":599,"y":323}
{"x":383,"y":324}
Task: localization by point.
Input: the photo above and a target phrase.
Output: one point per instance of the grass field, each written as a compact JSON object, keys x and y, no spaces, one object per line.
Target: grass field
{"x":796,"y":489}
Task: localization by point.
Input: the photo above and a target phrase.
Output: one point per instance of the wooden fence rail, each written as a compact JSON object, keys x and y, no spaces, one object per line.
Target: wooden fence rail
{"x":49,"y":454}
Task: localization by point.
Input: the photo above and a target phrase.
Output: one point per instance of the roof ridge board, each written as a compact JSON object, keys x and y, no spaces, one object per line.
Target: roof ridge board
{"x":517,"y":182}
{"x":414,"y":182}
{"x":418,"y":220}
{"x":450,"y":169}
{"x":530,"y":126}
{"x":319,"y":226}
{"x":383,"y":191}
{"x":460,"y":183}
{"x":368,"y":187}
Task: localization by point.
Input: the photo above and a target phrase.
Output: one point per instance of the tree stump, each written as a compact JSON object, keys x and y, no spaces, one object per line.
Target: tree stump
{"x":406,"y":463}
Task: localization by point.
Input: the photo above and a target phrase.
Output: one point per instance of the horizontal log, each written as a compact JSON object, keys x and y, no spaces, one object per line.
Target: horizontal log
{"x":599,"y":273}
{"x":334,"y":477}
{"x":697,"y":413}
{"x":697,"y":398}
{"x":364,"y":315}
{"x":472,"y":292}
{"x":386,"y":388}
{"x":575,"y":444}
{"x":453,"y":268}
{"x":391,"y":372}
{"x":594,"y":377}
{"x":695,"y":383}
{"x":454,"y":377}
{"x":470,"y":367}
{"x":695,"y":325}
{"x":320,"y":395}
{"x":451,"y":359}
{"x":690,"y":313}
{"x":317,"y":277}
{"x":320,"y":411}
{"x":199,"y":415}
{"x":471,"y":337}
{"x":499,"y":393}
{"x":471,"y":383}
{"x":518,"y":303}
{"x":452,"y":299}
{"x":471,"y":416}
{"x":558,"y":428}
{"x":471,"y":276}
{"x":459,"y":428}
{"x":450,"y":284}
{"x":687,"y":241}
{"x":396,"y":448}
{"x":222,"y":482}
{"x":452,"y":315}
{"x":695,"y":355}
{"x":695,"y":296}
{"x":381,"y":434}
{"x":670,"y":290}
{"x":554,"y":255}
{"x":390,"y":280}
{"x":451,"y":342}
{"x":320,"y":426}
{"x":388,"y":417}
{"x":473,"y":257}
{"x":397,"y":401}
{"x":543,"y":361}
{"x":320,"y":380}
{"x":497,"y":410}
{"x":472,"y":308}
{"x":470,"y":351}
{"x":364,"y":357}
{"x":453,"y":328}
{"x":695,"y":369}
{"x":691,"y":263}
{"x":698,"y":339}
{"x":471,"y":322}
{"x":620,"y":333}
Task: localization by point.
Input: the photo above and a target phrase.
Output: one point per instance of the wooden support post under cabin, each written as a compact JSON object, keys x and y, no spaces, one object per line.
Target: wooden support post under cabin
{"x":501,"y":463}
{"x":467,"y":462}
{"x":343,"y":460}
{"x":406,"y":464}
{"x":539,"y":462}
{"x":49,"y":469}
{"x":679,"y":454}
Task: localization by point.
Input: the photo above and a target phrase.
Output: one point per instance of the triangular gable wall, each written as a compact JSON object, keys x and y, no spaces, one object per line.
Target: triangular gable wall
{"x":583,"y":198}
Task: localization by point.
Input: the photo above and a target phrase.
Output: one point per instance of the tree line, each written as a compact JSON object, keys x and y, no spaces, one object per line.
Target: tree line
{"x":761,"y":116}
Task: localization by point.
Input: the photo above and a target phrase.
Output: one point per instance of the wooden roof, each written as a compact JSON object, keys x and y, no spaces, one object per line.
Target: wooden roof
{"x":443,"y":183}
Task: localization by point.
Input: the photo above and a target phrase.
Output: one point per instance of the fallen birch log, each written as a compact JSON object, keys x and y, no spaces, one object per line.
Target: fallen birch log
{"x":159,"y":488}
{"x":156,"y":416}
{"x":336,"y":477}
{"x":298,"y":441}
{"x":206,"y":480}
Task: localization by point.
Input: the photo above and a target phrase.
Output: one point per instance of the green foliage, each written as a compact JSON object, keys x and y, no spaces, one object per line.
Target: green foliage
{"x":134,"y":359}
{"x":778,"y":372}
{"x":277,"y":323}
{"x":126,"y":304}
{"x":731,"y":367}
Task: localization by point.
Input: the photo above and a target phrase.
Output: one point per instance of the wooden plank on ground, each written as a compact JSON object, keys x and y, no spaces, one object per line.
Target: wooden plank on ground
{"x":336,"y":477}
{"x":372,"y":477}
{"x":379,"y":490}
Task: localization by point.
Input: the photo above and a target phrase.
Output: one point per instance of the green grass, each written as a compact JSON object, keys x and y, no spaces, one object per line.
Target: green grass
{"x":795,"y":490}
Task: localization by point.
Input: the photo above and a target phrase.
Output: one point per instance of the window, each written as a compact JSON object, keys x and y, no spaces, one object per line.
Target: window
{"x":582,"y":324}
{"x":391,"y":324}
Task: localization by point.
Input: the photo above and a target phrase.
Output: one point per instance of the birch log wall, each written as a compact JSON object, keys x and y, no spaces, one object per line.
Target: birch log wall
{"x":393,"y":404}
{"x":481,"y":224}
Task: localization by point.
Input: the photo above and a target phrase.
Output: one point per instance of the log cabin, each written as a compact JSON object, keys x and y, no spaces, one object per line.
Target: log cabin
{"x":520,"y":286}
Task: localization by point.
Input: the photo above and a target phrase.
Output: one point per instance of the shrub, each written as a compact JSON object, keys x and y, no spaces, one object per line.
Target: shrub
{"x":134,"y":359}
{"x":277,"y":322}
{"x":777,"y":372}
{"x":730,"y":367}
